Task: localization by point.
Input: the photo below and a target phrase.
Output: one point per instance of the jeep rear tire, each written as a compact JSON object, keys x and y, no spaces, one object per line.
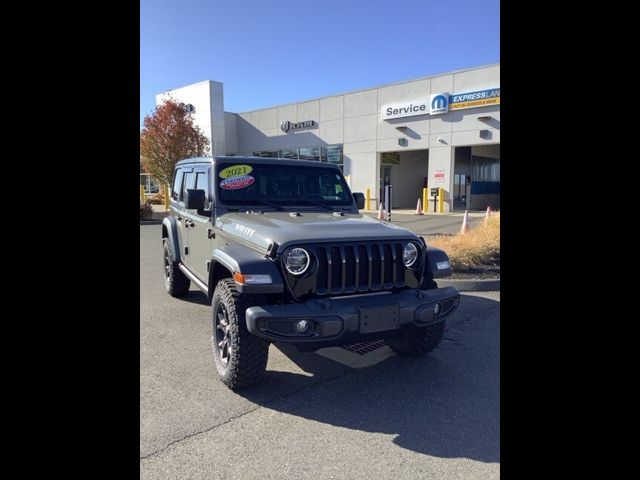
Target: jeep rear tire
{"x":240,"y":357}
{"x":176,"y":282}
{"x":417,"y":342}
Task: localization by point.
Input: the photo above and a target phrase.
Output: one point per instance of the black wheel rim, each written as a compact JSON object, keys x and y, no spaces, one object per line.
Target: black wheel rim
{"x":222,"y":338}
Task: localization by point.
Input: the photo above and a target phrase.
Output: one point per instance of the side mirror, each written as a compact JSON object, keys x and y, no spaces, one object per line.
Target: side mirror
{"x":359,"y":198}
{"x":194,"y":199}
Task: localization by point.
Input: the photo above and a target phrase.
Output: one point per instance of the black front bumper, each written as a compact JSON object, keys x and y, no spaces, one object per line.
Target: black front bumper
{"x":335,"y":321}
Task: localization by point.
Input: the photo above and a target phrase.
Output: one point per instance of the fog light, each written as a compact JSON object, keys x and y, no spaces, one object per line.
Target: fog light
{"x":436,"y":308}
{"x":302,"y":326}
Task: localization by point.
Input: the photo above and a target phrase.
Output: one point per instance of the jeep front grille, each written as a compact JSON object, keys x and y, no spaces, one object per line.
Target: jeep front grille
{"x":360,"y":267}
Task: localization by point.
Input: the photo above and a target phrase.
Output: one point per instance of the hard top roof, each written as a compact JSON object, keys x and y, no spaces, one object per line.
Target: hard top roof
{"x":240,"y":159}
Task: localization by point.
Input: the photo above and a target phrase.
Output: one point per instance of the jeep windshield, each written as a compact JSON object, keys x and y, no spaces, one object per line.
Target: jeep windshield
{"x":276,"y":186}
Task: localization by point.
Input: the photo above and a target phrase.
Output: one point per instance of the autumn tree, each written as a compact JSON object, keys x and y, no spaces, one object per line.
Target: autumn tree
{"x":168,"y":136}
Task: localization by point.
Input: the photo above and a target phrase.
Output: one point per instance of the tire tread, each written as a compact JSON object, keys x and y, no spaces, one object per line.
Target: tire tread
{"x":250,"y":353}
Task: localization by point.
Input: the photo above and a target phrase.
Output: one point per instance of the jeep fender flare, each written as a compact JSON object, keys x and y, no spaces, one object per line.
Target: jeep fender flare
{"x":239,"y":258}
{"x":170,"y":231}
{"x":437,"y":256}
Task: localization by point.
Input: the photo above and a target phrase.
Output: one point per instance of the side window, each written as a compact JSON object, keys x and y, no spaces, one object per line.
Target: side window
{"x":188,"y":183}
{"x":177,"y":182}
{"x":202,"y":183}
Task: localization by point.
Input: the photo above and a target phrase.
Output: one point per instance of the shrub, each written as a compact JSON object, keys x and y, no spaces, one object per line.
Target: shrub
{"x":477,"y":247}
{"x":146,"y":211}
{"x":157,"y":199}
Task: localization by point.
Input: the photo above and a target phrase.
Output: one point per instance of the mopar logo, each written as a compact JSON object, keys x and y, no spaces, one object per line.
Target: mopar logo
{"x":439,"y":103}
{"x":287,"y":125}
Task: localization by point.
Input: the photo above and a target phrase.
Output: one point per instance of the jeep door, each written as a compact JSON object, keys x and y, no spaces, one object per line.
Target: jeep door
{"x":199,"y":224}
{"x":184,"y":179}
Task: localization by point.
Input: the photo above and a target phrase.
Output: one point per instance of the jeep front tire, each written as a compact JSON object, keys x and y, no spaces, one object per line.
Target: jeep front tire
{"x":239,"y":356}
{"x":176,"y":282}
{"x":417,"y":342}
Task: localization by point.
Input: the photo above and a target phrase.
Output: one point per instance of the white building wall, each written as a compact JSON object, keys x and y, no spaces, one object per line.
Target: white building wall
{"x":207,"y":98}
{"x":355,"y":120}
{"x":231,"y":133}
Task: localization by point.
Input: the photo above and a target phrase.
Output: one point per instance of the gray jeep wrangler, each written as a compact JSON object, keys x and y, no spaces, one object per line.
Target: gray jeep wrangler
{"x":282,"y":253}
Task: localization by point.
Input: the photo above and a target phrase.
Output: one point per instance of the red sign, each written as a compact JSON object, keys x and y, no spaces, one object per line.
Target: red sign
{"x":439,"y":176}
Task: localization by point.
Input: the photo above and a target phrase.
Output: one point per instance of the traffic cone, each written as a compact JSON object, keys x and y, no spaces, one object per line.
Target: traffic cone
{"x":465,"y":225}
{"x":419,"y":208}
{"x":487,"y":215}
{"x":380,"y":213}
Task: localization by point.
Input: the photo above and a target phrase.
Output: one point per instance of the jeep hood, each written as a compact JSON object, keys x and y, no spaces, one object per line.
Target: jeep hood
{"x":260,"y":230}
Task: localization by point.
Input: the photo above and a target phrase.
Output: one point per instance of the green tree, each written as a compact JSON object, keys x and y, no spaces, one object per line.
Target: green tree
{"x":168,"y":136}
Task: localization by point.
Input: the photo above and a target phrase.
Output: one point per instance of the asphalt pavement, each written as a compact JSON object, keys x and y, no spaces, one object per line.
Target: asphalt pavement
{"x":434,"y":417}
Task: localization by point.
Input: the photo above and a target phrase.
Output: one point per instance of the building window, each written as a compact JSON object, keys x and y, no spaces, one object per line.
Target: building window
{"x":149,"y":183}
{"x":330,"y":153}
{"x":333,"y":154}
{"x":270,"y":154}
{"x":310,"y":153}
{"x":289,"y":154}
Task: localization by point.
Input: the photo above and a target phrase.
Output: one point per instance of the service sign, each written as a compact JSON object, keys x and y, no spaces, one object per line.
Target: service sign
{"x":405,"y":109}
{"x":442,"y":102}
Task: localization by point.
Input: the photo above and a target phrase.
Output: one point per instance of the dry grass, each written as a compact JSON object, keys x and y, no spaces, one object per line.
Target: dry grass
{"x":477,"y":247}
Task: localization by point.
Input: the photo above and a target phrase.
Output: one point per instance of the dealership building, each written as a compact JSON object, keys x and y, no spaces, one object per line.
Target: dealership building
{"x":436,"y":131}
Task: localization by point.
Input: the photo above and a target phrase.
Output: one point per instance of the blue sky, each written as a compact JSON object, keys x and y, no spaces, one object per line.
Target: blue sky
{"x":280,"y":51}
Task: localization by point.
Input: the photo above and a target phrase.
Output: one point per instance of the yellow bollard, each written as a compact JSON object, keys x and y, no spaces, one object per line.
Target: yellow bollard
{"x":440,"y":200}
{"x":425,"y":200}
{"x":368,"y":200}
{"x":166,"y":197}
{"x":142,"y":197}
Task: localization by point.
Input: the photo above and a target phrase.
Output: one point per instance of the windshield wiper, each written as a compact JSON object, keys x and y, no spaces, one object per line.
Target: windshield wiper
{"x":263,"y":202}
{"x":331,"y":209}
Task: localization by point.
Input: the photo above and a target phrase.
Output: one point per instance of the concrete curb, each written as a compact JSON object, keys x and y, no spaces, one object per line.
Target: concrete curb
{"x":471,"y":285}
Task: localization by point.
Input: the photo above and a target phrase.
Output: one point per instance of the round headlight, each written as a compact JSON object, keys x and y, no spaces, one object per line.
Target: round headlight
{"x":409,"y":254}
{"x":296,"y":261}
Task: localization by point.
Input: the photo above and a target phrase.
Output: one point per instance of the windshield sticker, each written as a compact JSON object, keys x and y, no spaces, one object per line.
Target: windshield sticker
{"x":235,"y":183}
{"x":236,"y":171}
